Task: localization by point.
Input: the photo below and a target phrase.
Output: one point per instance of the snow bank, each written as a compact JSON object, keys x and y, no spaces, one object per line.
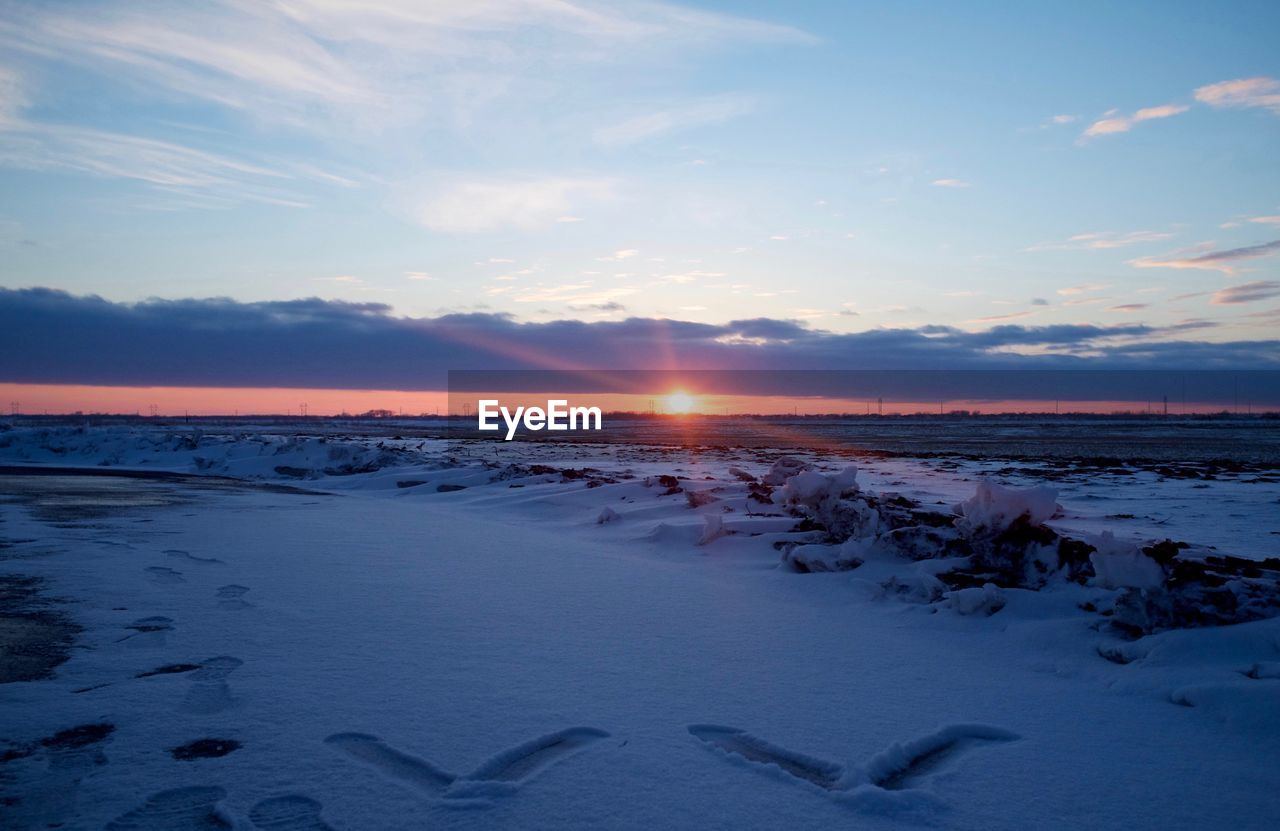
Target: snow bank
{"x":242,"y":455}
{"x":810,"y":559}
{"x":998,"y":540}
{"x":994,"y":508}
{"x":811,"y":488}
{"x":985,"y":600}
{"x":819,"y":520}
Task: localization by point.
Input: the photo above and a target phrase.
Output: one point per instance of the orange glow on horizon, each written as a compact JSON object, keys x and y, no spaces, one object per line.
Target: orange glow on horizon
{"x":58,"y":399}
{"x":35,"y":399}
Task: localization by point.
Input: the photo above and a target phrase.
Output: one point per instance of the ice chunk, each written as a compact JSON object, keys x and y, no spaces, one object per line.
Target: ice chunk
{"x":808,"y":559}
{"x":712,"y":529}
{"x":1118,"y":564}
{"x":994,"y":507}
{"x":783,"y":469}
{"x":811,"y":488}
{"x":697,"y":499}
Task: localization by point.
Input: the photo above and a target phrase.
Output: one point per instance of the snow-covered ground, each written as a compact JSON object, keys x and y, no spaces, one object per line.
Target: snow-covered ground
{"x":426,"y":634}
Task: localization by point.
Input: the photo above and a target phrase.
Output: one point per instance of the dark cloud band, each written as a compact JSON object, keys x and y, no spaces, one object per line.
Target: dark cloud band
{"x":50,"y":336}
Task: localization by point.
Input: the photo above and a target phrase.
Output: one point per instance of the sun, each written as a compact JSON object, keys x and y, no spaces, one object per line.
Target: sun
{"x":679,"y":402}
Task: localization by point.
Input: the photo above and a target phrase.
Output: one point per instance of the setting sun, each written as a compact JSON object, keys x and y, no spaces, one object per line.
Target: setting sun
{"x":679,"y":402}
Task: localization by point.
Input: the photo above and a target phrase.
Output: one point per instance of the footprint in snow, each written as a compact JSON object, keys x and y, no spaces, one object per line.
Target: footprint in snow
{"x":187,"y":557}
{"x":501,"y":774}
{"x":739,"y":743}
{"x":51,"y":799}
{"x":292,"y":812}
{"x":911,"y":764}
{"x":148,"y":631}
{"x":180,"y":809}
{"x":163,"y":574}
{"x":232,"y":597}
{"x":209,"y":691}
{"x":903,"y":766}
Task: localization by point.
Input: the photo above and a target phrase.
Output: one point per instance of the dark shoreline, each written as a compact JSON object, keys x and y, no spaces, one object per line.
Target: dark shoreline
{"x":176,"y":477}
{"x":1224,"y":442}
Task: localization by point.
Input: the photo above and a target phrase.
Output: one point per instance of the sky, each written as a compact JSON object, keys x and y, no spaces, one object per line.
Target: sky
{"x":556,"y":182}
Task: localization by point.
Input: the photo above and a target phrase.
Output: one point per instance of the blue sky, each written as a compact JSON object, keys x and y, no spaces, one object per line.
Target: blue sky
{"x":851,"y":167}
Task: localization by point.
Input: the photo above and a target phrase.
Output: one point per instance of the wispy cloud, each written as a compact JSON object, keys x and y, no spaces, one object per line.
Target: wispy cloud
{"x":996,"y":318}
{"x":220,"y":179}
{"x":579,"y":294}
{"x":179,"y":175}
{"x":950,"y":183}
{"x":618,"y":256}
{"x":1114,"y":122}
{"x":689,"y":276}
{"x":1260,"y":92}
{"x":608,"y":307}
{"x":336,"y":72}
{"x":12,"y":96}
{"x":1111,"y":239}
{"x":1247,"y":293}
{"x":649,"y":125}
{"x":1050,"y":122}
{"x":520,"y":202}
{"x":1128,"y":307}
{"x":1070,"y":291}
{"x":282,"y":61}
{"x":1102,"y":240}
{"x":1222,"y":260}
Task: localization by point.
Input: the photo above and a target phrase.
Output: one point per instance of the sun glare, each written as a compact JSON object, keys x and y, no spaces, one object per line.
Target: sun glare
{"x":679,"y":402}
